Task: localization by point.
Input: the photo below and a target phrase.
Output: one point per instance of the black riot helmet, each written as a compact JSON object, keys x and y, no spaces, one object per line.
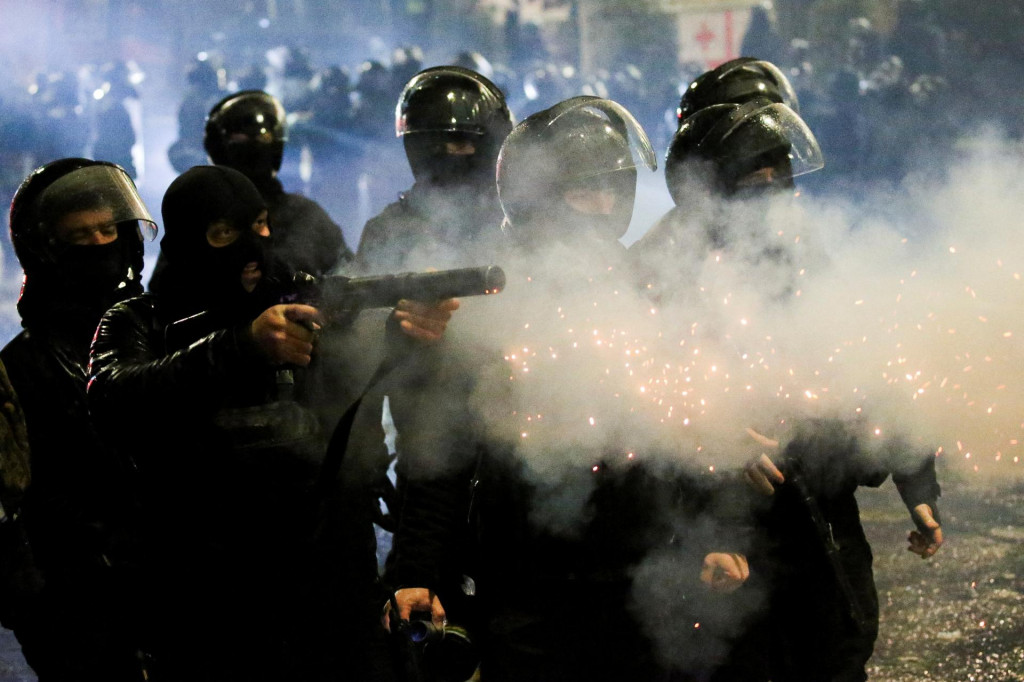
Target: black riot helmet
{"x":583,"y":144}
{"x":735,"y":82}
{"x":451,"y":105}
{"x":53,"y":215}
{"x":757,"y":146}
{"x":247,"y":131}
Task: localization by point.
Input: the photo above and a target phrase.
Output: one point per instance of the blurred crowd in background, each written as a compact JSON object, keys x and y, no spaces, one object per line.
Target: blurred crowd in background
{"x":887,"y":87}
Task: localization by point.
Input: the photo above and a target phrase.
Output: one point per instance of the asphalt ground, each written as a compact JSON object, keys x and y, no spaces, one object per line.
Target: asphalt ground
{"x":957,"y":617}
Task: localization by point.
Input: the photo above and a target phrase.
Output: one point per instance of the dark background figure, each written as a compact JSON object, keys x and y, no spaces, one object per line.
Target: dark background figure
{"x":406,"y":62}
{"x":296,"y":75}
{"x":375,"y":94}
{"x":113,"y":128}
{"x":452,"y":122}
{"x":19,"y":128}
{"x":541,"y":602}
{"x":378,"y":160}
{"x":203,"y":91}
{"x":63,"y":130}
{"x":333,"y":147}
{"x":762,"y":39}
{"x":918,"y":38}
{"x":77,"y":226}
{"x":332,"y":101}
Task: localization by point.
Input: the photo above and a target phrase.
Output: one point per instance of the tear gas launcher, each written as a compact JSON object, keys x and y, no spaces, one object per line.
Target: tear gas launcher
{"x":341,"y":298}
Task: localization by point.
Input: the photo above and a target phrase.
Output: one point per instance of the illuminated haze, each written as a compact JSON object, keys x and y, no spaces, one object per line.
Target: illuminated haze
{"x":900,"y":313}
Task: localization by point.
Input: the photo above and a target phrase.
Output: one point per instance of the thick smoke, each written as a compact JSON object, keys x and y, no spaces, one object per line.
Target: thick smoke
{"x":898,"y":313}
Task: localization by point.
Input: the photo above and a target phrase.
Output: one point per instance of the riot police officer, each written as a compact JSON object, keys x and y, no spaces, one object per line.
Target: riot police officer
{"x":452,"y":122}
{"x":727,"y":165}
{"x":546,"y":602}
{"x":724,"y":168}
{"x":78,"y":228}
{"x":248,"y":132}
{"x":212,"y":366}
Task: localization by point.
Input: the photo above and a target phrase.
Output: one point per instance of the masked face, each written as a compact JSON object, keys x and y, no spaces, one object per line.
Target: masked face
{"x":447,"y":159}
{"x":90,"y":255}
{"x":767,"y":182}
{"x":237,"y":245}
{"x":256,"y":158}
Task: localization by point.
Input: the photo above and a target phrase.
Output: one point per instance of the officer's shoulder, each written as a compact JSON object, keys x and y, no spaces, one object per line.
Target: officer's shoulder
{"x":143,"y":305}
{"x":393,"y":213}
{"x":16,"y":347}
{"x":299,"y":202}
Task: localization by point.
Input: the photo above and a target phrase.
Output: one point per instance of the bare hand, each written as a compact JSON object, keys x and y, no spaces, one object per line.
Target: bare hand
{"x":761,"y":472}
{"x":415,"y":599}
{"x":723,"y":572}
{"x":285,"y":333}
{"x":425,"y":322}
{"x":925,"y":544}
{"x":762,"y":475}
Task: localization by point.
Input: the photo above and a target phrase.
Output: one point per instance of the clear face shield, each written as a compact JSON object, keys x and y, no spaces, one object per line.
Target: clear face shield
{"x":578,"y":158}
{"x":105,"y":192}
{"x":804,"y":152}
{"x":579,"y":140}
{"x":772,"y":136}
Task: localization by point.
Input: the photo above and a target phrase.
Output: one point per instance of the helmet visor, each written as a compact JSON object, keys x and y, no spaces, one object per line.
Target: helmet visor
{"x":773,"y":131}
{"x":99,"y":187}
{"x":618,"y":122}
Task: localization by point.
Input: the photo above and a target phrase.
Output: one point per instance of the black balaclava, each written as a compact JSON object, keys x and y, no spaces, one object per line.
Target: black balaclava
{"x":200,"y":276}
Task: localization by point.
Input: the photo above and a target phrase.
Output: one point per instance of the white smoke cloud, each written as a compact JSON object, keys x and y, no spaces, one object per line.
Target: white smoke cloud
{"x":899,"y":311}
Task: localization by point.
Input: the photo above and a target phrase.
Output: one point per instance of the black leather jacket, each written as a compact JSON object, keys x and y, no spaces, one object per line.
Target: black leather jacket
{"x":77,"y":490}
{"x":220,"y":465}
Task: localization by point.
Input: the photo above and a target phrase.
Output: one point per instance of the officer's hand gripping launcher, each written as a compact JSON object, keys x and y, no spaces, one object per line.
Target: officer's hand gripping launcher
{"x":341,"y":298}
